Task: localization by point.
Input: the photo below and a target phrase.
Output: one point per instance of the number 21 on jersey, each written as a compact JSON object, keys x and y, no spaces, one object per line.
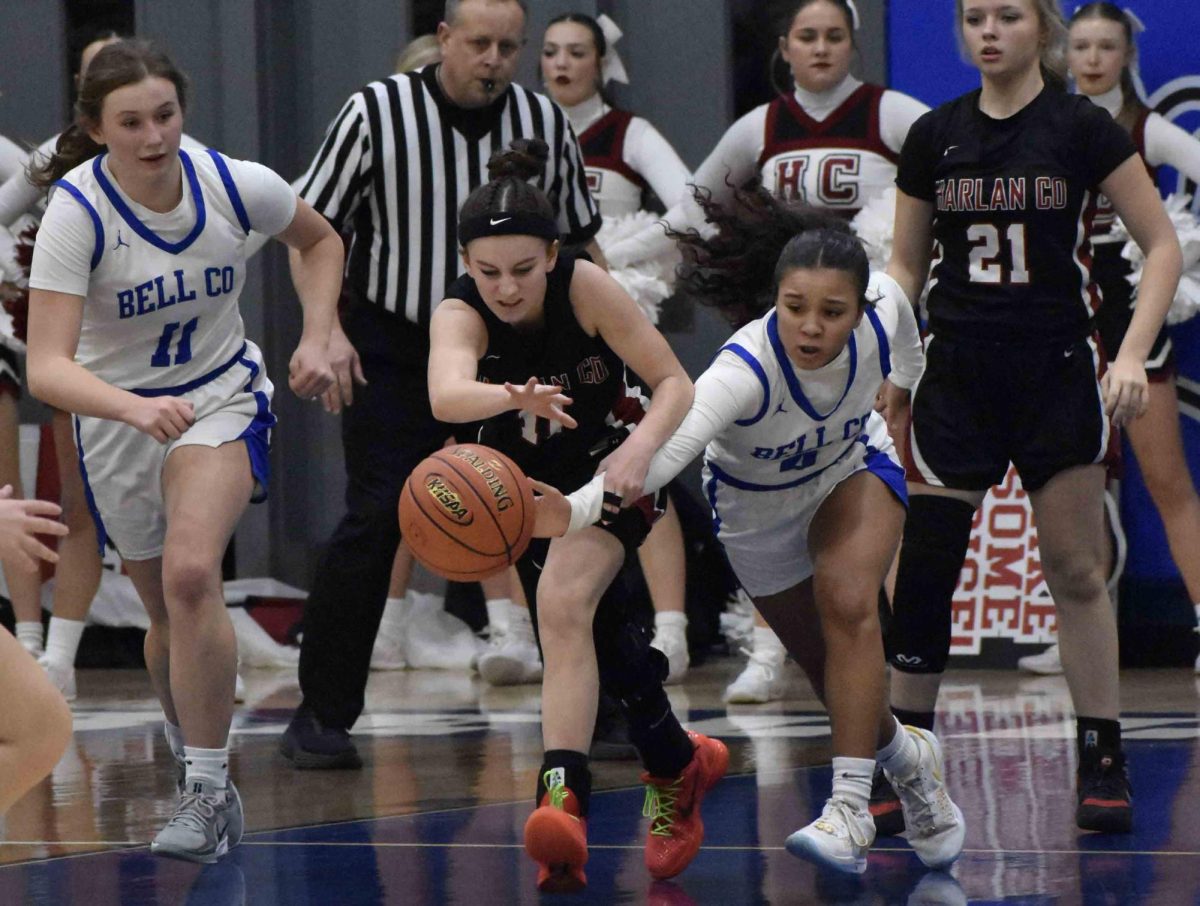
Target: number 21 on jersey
{"x":986,"y":239}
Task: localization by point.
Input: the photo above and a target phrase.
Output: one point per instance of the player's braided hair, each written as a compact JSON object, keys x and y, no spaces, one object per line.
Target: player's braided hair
{"x":508,"y":189}
{"x":1131,"y":105}
{"x":122,"y":63}
{"x":759,"y":240}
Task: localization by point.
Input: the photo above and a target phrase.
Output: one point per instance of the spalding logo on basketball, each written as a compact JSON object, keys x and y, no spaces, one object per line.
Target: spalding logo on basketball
{"x":466,"y":512}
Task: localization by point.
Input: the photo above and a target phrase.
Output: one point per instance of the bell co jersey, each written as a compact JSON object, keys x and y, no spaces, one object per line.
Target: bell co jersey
{"x":161,"y":299}
{"x":808,"y":422}
{"x":561,"y":353}
{"x":1014,"y":201}
{"x":614,"y":185}
{"x":838,"y":163}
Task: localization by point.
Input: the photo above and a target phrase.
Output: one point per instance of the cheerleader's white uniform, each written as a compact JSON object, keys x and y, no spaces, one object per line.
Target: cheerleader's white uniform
{"x":161,"y":318}
{"x":778,"y":439}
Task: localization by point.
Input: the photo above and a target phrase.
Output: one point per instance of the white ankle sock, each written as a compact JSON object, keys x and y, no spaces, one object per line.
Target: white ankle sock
{"x":671,"y":620}
{"x":900,"y":756}
{"x":29,"y":634}
{"x":208,"y":765}
{"x":497,"y":611}
{"x":766,"y":643}
{"x":174,"y":737}
{"x":62,"y":640}
{"x":852,"y":781}
{"x":396,"y":613}
{"x":519,"y":625}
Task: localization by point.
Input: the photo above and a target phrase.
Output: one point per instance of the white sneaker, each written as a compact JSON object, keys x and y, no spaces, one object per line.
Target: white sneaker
{"x":933,"y":823}
{"x":62,"y":675}
{"x":436,"y":640}
{"x":760,"y":682}
{"x":1044,"y":663}
{"x":388,"y":653}
{"x":510,"y":660}
{"x":673,"y":643}
{"x":839,"y":839}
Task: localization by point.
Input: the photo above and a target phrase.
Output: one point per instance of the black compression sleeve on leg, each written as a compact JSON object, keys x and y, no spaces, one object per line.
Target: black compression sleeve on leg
{"x":931,"y":557}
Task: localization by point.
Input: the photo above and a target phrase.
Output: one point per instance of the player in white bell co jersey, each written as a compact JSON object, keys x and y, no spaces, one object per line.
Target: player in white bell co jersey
{"x":832,"y":142}
{"x":134,"y":327}
{"x":806,"y":489}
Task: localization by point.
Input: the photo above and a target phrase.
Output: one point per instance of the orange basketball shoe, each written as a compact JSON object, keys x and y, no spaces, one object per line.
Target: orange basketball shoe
{"x":556,"y":839}
{"x":673,"y":807}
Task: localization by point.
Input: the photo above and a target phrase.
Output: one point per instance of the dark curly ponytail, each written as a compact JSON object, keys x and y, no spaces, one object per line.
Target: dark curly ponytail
{"x":759,"y":240}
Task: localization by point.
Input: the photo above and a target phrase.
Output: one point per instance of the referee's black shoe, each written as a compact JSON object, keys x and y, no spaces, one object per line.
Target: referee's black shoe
{"x":307,"y":744}
{"x":1105,"y":797}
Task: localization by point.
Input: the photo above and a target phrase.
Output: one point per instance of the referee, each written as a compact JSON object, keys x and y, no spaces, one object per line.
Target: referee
{"x":397,"y":162}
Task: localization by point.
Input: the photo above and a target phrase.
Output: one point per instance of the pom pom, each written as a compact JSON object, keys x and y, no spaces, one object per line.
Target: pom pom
{"x":1187,"y":298}
{"x":648,"y":281}
{"x":874,"y":224}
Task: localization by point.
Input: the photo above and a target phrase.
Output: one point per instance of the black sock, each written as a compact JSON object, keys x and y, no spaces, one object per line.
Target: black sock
{"x":575,"y":776}
{"x":1094,"y":735}
{"x":655,"y":731}
{"x":922,"y":719}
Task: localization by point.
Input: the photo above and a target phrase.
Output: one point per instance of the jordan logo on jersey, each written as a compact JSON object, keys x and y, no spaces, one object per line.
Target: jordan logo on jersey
{"x":120,"y":241}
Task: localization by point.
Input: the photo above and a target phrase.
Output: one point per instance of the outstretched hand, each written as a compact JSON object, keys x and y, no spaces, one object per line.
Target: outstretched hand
{"x":543,"y":400}
{"x":21,"y":521}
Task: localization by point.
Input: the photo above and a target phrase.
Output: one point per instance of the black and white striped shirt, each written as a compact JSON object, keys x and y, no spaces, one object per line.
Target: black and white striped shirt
{"x":399,"y":160}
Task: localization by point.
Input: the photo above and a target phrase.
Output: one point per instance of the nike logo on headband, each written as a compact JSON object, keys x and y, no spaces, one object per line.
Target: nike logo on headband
{"x":500,"y":221}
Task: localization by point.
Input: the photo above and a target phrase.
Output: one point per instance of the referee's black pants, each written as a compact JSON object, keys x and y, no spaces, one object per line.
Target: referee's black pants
{"x":385,"y":433}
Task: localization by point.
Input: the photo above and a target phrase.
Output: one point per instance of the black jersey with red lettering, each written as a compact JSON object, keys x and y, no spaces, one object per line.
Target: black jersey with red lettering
{"x":838,"y":163}
{"x":560,"y":352}
{"x":1014,"y":201}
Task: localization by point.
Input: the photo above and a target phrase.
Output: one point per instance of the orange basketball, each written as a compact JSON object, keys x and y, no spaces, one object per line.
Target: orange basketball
{"x":466,"y":512}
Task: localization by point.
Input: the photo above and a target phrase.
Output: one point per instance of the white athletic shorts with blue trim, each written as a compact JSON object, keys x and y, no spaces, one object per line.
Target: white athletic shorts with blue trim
{"x":122,"y":467}
{"x":765,"y":531}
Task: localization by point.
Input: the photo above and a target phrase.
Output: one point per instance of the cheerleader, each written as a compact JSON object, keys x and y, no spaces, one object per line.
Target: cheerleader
{"x":134,"y":328}
{"x":833,"y":142}
{"x":1004,"y":180}
{"x":807,"y":490}
{"x":626,"y":158}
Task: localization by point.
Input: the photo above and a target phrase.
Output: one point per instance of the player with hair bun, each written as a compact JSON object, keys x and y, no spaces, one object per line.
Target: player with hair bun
{"x":533,"y":343}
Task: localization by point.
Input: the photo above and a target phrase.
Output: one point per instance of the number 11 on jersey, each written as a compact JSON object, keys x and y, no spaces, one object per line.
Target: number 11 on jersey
{"x":183,"y":349}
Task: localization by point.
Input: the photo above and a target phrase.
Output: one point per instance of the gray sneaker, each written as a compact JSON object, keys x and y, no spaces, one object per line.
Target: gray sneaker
{"x":204,"y":827}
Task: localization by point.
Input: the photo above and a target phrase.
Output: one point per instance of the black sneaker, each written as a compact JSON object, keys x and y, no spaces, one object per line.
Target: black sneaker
{"x":885,"y":806}
{"x":610,"y":738}
{"x":1105,"y":797}
{"x":307,"y":744}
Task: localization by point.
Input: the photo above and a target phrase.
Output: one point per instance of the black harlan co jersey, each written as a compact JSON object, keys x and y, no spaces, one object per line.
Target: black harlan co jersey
{"x":561,"y":353}
{"x":1014,"y":200}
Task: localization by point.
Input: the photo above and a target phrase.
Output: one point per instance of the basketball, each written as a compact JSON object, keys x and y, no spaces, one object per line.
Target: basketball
{"x":466,"y":512}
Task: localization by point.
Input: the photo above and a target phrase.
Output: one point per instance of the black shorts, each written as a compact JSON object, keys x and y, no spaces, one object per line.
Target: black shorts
{"x":980,"y":406}
{"x":1109,"y":272}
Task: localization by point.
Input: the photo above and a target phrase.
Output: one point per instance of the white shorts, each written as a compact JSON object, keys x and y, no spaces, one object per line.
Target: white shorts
{"x":765,"y":533}
{"x":122,"y":466}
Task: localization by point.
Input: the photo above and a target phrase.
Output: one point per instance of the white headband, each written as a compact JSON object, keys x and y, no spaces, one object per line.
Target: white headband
{"x":854,"y":18}
{"x":1135,"y":24}
{"x":613,"y":69}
